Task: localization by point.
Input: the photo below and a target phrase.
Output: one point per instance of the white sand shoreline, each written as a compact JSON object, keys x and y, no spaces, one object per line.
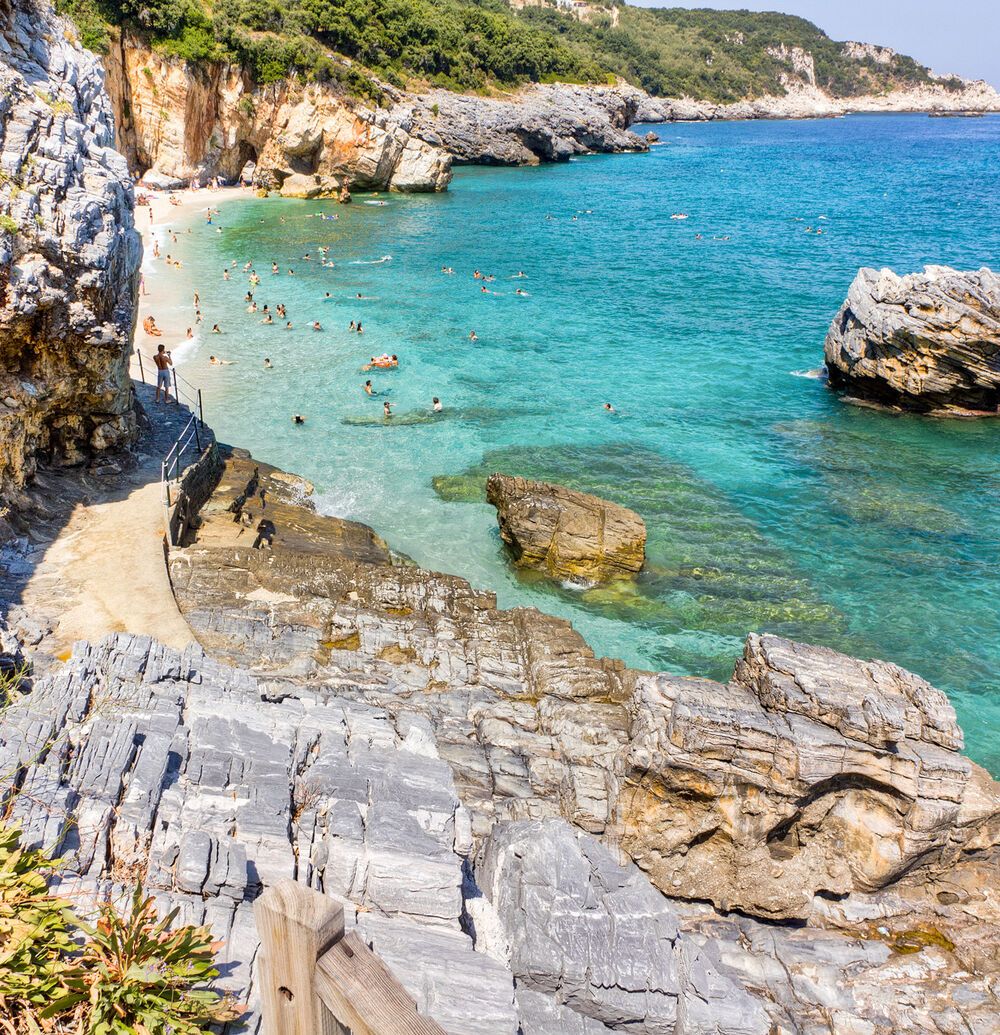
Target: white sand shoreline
{"x":158,"y":297}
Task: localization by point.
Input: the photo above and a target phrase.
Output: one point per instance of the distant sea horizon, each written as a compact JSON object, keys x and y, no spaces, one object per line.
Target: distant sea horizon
{"x":690,"y":287}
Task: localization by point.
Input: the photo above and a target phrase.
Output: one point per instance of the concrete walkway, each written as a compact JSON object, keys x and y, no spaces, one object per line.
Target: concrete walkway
{"x":98,"y":566}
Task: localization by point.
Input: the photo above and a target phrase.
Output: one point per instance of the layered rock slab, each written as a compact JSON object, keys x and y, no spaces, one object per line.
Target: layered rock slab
{"x":925,"y":341}
{"x":564,"y":533}
{"x":808,"y":774}
{"x":69,"y":255}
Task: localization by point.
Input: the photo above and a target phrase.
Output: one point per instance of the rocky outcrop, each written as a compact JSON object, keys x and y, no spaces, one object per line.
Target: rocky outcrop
{"x":566,"y":534}
{"x":809,"y":774}
{"x":208,"y":783}
{"x":529,"y":836}
{"x":925,"y":341}
{"x":178,"y":123}
{"x":532,"y":125}
{"x":69,"y":255}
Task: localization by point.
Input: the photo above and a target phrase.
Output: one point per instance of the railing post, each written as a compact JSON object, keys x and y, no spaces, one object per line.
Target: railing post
{"x":201,"y":410}
{"x":142,"y":371}
{"x":296,"y":926}
{"x":177,"y":394}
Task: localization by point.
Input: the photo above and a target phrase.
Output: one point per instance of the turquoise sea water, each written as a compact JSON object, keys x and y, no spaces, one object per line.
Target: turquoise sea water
{"x":770,"y":503}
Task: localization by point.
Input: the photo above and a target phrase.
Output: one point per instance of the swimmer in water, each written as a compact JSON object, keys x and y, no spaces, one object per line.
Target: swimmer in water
{"x":386,"y":409}
{"x":274,"y":268}
{"x":317,"y":326}
{"x":225,"y":274}
{"x":267,"y":318}
{"x":216,"y":362}
{"x":297,"y":418}
{"x":288,"y":326}
{"x":268,"y":365}
{"x":436,"y":405}
{"x":368,"y":388}
{"x":189,"y":334}
{"x":216,"y":329}
{"x":360,"y":329}
{"x":609,"y":407}
{"x":473,"y":336}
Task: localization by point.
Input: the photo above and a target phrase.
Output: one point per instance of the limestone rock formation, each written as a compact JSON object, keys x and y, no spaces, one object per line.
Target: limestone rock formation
{"x":564,"y":533}
{"x":69,"y":256}
{"x":211,"y":782}
{"x":177,"y":122}
{"x":809,"y":774}
{"x":925,"y":341}
{"x":535,"y":124}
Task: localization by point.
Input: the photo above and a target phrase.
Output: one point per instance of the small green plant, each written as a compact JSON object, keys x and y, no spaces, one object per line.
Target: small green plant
{"x":8,"y":225}
{"x":36,"y":935}
{"x":139,"y":975}
{"x":128,"y":974}
{"x":435,"y":110}
{"x":39,"y":220}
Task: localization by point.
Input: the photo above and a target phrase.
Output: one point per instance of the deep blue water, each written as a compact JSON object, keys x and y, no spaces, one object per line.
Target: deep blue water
{"x":770,"y":503}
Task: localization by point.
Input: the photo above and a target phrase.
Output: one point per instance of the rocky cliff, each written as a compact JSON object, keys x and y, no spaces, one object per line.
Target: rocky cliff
{"x":178,"y":122}
{"x":926,"y":341}
{"x":69,"y":255}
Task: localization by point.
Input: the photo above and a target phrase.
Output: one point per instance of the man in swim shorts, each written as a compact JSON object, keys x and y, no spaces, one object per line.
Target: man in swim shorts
{"x":163,"y":363}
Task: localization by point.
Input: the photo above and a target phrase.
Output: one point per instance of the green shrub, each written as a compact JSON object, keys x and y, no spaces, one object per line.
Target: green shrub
{"x":119,"y":976}
{"x":8,"y":225}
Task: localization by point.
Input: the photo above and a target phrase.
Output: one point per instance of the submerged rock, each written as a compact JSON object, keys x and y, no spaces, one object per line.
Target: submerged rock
{"x":566,"y":534}
{"x":926,"y":341}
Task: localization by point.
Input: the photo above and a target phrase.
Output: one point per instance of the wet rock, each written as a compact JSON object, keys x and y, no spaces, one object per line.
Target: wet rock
{"x":69,"y":255}
{"x":926,"y":341}
{"x":564,"y":533}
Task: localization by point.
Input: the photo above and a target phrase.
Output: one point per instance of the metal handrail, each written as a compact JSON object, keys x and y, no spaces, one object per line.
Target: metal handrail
{"x":191,"y":397}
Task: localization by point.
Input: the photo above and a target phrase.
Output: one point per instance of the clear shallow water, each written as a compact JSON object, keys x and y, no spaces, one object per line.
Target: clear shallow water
{"x":770,"y":504}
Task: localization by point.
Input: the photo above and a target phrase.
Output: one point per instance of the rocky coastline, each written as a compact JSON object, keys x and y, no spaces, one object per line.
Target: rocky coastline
{"x":533,"y":838}
{"x":176,"y":123}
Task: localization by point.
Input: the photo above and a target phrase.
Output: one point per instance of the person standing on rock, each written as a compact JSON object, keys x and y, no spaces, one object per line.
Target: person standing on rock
{"x":163,"y":362}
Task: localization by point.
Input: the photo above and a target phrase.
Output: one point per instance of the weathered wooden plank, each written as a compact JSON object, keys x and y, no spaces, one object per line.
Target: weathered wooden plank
{"x":296,"y":926}
{"x":361,"y":992}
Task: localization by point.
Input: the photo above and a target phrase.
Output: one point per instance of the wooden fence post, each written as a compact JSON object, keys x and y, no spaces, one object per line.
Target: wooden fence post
{"x":296,"y":926}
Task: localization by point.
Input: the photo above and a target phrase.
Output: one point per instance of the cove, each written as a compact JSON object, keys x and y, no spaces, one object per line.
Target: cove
{"x":770,"y":503}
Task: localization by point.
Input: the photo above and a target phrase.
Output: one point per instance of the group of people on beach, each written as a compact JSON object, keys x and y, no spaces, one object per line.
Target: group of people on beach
{"x":279,"y":316}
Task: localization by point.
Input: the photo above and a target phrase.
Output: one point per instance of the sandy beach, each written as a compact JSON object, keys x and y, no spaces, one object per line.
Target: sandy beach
{"x":155,"y":222}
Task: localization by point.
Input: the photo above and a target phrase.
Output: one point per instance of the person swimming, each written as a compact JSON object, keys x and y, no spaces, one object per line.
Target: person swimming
{"x":360,"y":329}
{"x":317,"y":326}
{"x":609,"y":407}
{"x":473,"y":336}
{"x":297,"y":418}
{"x":368,"y":388}
{"x":386,"y":409}
{"x":216,"y":362}
{"x":216,"y":329}
{"x":436,"y":405}
{"x":268,"y":365}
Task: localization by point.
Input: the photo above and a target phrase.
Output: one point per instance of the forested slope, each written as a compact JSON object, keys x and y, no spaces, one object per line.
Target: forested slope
{"x":484,"y":45}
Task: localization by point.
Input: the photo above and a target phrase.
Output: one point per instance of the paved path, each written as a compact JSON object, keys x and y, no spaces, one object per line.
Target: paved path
{"x":97,"y":565}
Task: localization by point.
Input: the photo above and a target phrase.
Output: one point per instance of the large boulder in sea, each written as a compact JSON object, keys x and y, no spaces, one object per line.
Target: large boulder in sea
{"x":564,"y":533}
{"x":925,"y":341}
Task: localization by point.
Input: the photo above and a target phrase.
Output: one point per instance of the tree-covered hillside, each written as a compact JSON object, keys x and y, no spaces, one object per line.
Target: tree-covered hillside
{"x":485,"y":44}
